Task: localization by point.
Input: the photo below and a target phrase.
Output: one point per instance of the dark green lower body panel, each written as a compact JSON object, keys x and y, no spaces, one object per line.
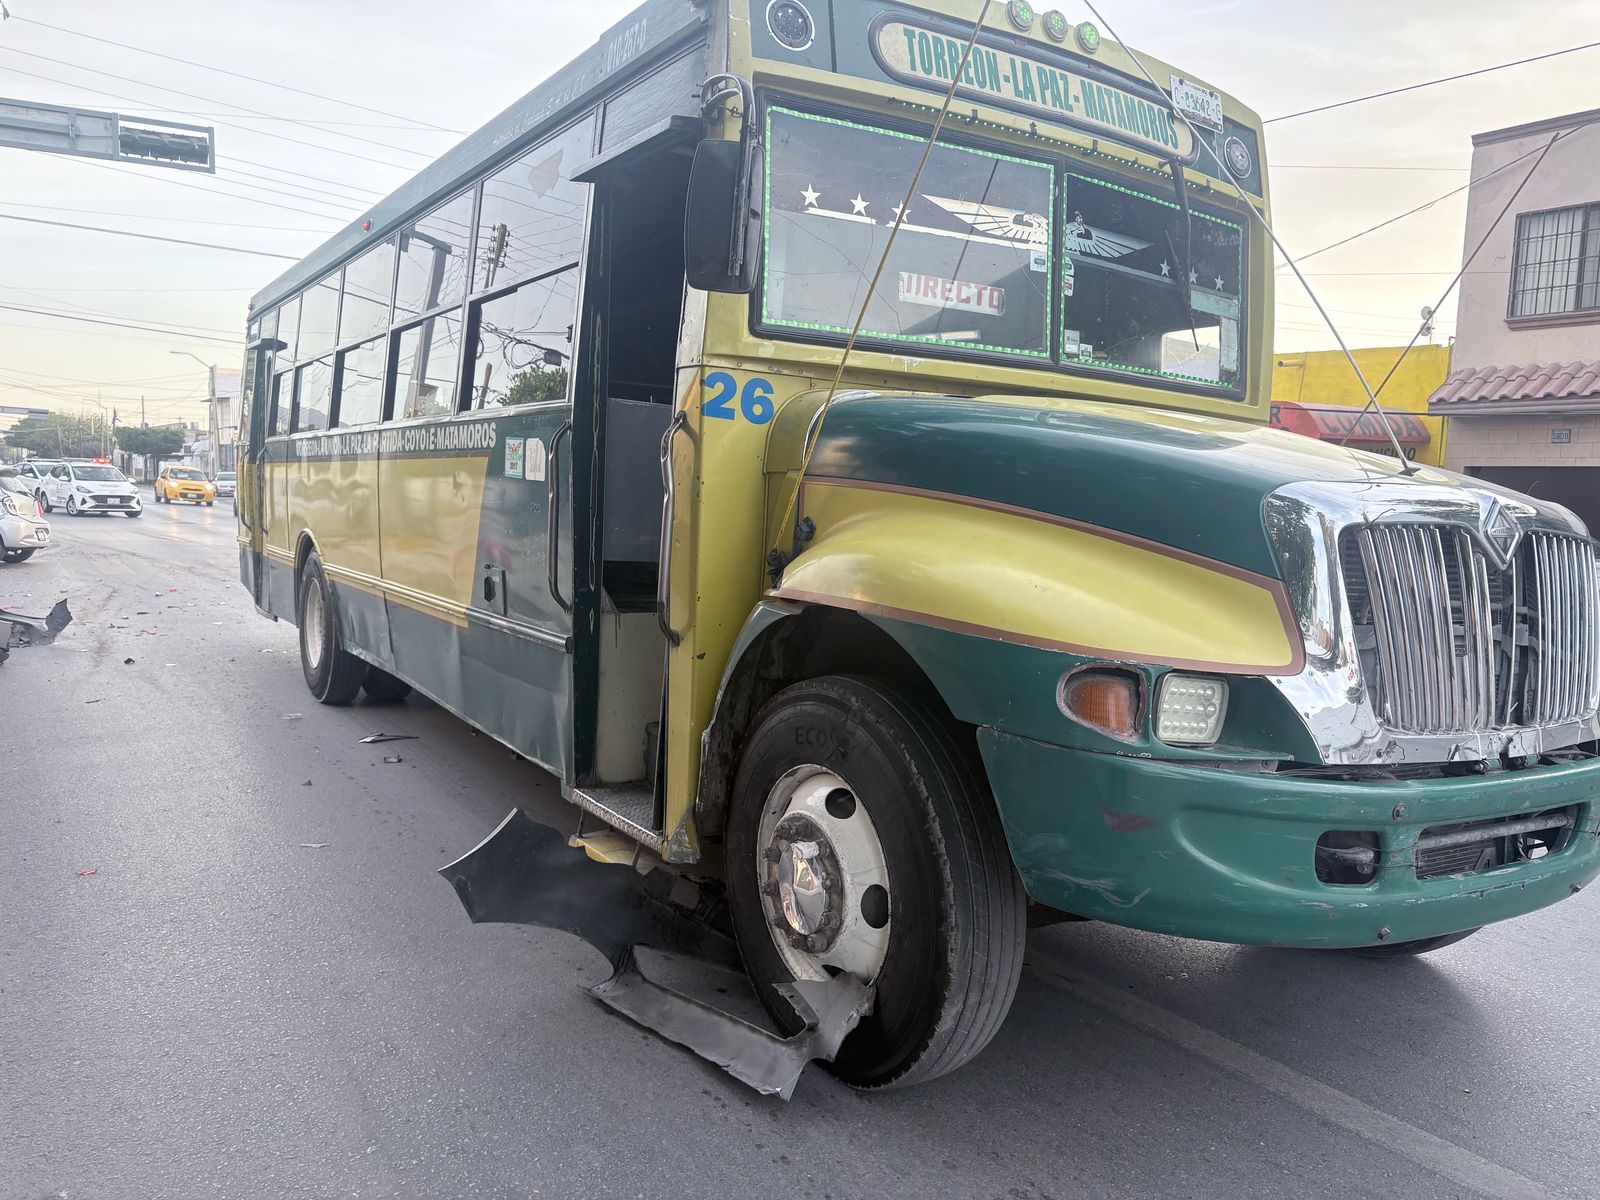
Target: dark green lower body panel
{"x":514,"y":684}
{"x":1230,"y":856}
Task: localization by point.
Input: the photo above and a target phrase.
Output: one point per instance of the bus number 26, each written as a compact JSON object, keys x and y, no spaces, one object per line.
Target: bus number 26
{"x":755,"y":400}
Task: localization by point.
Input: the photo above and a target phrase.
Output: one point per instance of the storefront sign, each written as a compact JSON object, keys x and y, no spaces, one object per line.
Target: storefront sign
{"x":1030,"y":84}
{"x":952,"y":293}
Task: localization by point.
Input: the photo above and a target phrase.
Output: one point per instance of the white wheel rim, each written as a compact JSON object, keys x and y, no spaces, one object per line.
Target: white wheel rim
{"x":314,"y":623}
{"x":851,"y":841}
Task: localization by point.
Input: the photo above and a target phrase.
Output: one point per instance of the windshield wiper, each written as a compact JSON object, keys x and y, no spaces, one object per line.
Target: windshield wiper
{"x":1181,"y":191}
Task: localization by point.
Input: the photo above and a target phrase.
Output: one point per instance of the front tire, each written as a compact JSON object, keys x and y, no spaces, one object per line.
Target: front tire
{"x":72,"y":507}
{"x":1412,"y":949}
{"x":16,"y":556}
{"x":332,"y":673}
{"x":44,"y":501}
{"x":863,"y":837}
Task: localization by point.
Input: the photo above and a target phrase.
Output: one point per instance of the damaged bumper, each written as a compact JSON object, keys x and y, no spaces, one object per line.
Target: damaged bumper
{"x":1233,"y":856}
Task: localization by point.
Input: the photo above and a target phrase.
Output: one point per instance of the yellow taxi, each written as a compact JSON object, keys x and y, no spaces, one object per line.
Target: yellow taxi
{"x":184,"y":483}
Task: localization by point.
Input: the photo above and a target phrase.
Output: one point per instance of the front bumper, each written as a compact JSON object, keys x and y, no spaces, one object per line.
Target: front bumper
{"x":93,"y":503}
{"x":20,"y":533}
{"x":196,"y":497}
{"x":1230,"y":856}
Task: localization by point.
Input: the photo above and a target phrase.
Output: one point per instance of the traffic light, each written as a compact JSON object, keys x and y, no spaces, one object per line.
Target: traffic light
{"x":88,"y":133}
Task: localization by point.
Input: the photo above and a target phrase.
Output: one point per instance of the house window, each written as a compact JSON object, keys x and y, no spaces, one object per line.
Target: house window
{"x":1557,"y":267}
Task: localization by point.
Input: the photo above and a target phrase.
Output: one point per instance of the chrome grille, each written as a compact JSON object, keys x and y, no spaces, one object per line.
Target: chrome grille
{"x":1450,"y":645}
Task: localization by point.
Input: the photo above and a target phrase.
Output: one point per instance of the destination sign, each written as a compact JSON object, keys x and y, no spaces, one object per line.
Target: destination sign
{"x":1025,"y":83}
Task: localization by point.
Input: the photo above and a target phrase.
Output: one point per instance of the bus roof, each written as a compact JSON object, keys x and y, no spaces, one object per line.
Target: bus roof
{"x":647,"y":34}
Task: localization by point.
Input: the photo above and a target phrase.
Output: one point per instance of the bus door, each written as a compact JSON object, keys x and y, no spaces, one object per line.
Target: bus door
{"x":635,"y":302}
{"x":251,"y":482}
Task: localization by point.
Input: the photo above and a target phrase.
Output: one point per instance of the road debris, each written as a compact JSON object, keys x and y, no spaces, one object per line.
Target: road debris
{"x":21,"y":630}
{"x":90,"y":871}
{"x":392,"y":758}
{"x":293,"y":716}
{"x":388,"y":737}
{"x":528,"y":874}
{"x":315,"y":845}
{"x":127,"y":662}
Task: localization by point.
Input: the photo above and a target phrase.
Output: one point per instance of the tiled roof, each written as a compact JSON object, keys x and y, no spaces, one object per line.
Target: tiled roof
{"x":1518,"y":386}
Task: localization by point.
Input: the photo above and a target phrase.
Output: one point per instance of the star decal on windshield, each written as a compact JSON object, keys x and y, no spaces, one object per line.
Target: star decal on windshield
{"x":811,"y":197}
{"x":859,"y":205}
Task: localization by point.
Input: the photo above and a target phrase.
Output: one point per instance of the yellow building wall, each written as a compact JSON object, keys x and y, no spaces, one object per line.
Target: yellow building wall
{"x":1325,"y":377}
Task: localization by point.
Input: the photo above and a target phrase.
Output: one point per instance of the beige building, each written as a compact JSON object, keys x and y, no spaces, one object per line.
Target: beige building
{"x":1523,"y":396}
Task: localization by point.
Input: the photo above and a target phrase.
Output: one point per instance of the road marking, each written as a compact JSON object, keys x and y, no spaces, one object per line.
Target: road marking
{"x":1435,"y":1154}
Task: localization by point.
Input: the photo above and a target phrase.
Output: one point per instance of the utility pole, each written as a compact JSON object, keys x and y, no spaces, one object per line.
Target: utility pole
{"x":143,"y":424}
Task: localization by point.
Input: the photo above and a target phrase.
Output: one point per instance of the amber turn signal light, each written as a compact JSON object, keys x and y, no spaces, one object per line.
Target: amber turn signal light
{"x":1103,"y":700}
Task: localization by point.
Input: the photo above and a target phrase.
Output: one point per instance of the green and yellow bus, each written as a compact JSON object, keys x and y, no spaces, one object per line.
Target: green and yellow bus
{"x":1038,"y":618}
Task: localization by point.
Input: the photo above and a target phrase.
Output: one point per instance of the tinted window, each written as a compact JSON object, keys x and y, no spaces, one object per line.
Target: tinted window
{"x":433,"y":259}
{"x":367,"y":284}
{"x":319,"y":318}
{"x":532,"y":216}
{"x":524,"y":343}
{"x":361,"y":383}
{"x":313,"y":392}
{"x":429,"y":365}
{"x":186,"y":473}
{"x":93,"y":474}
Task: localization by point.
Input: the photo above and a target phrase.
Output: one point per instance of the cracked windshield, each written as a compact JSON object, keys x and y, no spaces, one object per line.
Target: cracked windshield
{"x":1140,"y":290}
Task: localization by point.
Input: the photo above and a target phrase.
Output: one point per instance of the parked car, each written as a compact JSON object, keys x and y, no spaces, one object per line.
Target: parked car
{"x":33,"y":472}
{"x":184,"y":483}
{"x":23,"y":528}
{"x":85,"y":487}
{"x":226,"y":482}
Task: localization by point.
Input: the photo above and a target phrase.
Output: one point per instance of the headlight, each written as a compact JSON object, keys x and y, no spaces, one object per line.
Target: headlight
{"x":82,"y":488}
{"x":1190,"y":709}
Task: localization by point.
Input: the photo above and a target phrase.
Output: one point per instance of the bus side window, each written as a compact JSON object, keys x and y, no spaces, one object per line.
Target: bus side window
{"x":280,"y":404}
{"x":524,"y":343}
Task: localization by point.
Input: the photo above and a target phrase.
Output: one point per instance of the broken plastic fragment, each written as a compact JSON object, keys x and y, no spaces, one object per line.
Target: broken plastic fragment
{"x":388,"y":737}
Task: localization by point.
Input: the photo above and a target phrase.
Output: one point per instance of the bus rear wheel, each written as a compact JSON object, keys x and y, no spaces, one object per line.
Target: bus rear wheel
{"x":863,"y":838}
{"x":332,"y":673}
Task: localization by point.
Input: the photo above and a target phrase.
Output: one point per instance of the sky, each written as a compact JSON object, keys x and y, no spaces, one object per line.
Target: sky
{"x":294,"y":168}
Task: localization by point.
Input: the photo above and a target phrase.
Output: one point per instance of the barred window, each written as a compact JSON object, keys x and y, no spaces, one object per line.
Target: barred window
{"x":1557,"y":267}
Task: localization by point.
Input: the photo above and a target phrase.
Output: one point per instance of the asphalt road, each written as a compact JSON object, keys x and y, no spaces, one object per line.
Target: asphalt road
{"x":263,"y":989}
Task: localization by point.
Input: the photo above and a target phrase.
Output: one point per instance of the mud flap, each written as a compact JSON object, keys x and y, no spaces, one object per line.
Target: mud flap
{"x":22,"y":630}
{"x":525,"y":873}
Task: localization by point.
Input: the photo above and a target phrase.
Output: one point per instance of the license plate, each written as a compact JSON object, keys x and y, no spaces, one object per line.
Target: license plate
{"x":1200,"y":104}
{"x":42,"y":535}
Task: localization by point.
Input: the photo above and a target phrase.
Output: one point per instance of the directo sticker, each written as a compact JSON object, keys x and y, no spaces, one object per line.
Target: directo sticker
{"x":937,"y":292}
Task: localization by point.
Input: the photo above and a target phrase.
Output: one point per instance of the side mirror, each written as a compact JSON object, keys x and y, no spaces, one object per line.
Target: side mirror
{"x":721,"y":241}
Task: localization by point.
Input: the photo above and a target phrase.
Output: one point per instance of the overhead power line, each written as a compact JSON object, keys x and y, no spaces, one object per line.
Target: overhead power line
{"x":190,"y":181}
{"x":61,"y":316}
{"x":187,"y":220}
{"x":1505,"y":166}
{"x":1412,"y":87}
{"x":378,"y":112}
{"x":149,"y":237}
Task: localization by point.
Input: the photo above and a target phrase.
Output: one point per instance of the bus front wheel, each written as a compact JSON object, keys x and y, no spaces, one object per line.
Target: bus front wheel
{"x":332,"y":673}
{"x":863,"y":838}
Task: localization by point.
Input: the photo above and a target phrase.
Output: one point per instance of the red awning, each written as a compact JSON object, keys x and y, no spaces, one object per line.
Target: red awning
{"x":1334,"y":423}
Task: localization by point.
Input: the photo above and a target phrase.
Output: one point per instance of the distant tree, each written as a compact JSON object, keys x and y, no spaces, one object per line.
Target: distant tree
{"x":150,"y":441}
{"x":59,"y":435}
{"x":537,"y":383}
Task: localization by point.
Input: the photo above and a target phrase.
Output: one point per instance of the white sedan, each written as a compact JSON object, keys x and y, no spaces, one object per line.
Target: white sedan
{"x":22,"y":528}
{"x":83,"y":487}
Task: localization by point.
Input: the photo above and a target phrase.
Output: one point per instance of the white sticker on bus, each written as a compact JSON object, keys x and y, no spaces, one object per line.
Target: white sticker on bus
{"x":937,"y":292}
{"x":533,"y":460}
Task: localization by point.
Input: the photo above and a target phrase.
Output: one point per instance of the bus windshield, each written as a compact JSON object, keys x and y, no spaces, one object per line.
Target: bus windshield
{"x":982,"y":264}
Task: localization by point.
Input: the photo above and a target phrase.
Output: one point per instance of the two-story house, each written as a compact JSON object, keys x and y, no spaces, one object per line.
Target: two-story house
{"x":1523,"y":395}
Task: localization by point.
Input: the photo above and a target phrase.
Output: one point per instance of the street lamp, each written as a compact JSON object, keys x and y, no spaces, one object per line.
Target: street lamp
{"x":214,"y":434}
